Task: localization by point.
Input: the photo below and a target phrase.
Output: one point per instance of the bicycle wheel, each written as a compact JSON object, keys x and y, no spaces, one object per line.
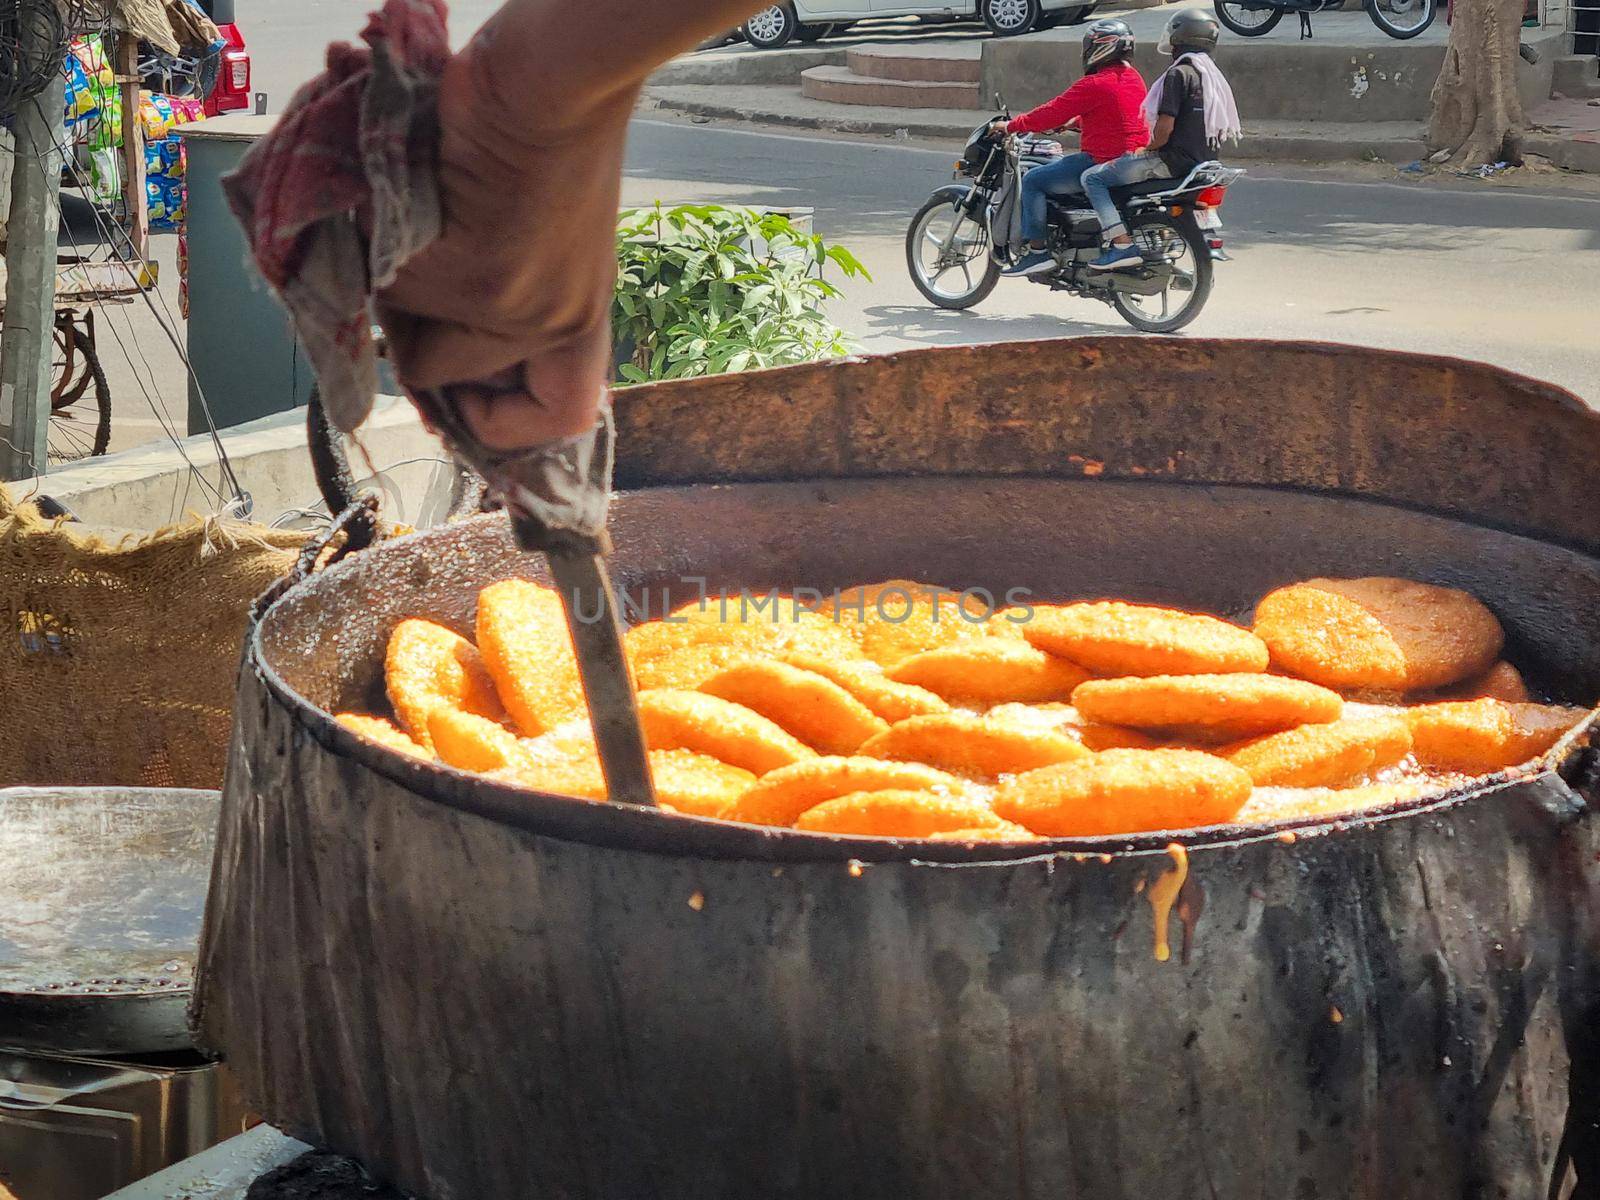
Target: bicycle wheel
{"x":80,"y":398}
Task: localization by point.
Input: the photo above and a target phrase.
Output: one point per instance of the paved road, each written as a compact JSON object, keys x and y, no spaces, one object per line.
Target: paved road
{"x":1477,"y":269}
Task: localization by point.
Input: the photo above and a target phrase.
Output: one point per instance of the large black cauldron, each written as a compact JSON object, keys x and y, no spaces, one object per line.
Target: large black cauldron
{"x":486,"y":994}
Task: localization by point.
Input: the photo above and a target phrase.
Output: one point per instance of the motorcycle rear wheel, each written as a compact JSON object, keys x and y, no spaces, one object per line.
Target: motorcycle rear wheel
{"x":1184,"y":245}
{"x":930,"y":258}
{"x":1418,"y":16}
{"x":1247,"y":21}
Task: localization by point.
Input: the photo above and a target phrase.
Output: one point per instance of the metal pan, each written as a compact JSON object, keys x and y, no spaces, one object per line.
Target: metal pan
{"x":101,"y":896}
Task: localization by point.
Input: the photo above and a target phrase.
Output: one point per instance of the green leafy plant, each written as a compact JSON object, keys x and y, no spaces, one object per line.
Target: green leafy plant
{"x":703,"y":289}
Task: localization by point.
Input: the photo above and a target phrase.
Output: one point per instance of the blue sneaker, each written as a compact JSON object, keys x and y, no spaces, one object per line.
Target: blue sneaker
{"x":1031,"y":264}
{"x":1118,"y":258}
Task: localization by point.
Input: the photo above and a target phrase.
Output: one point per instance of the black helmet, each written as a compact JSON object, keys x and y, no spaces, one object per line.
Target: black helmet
{"x":1106,"y":41}
{"x":1189,"y":30}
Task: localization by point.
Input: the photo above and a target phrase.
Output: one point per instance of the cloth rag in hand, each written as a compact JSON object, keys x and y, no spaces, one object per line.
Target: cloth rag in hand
{"x":361,"y":138}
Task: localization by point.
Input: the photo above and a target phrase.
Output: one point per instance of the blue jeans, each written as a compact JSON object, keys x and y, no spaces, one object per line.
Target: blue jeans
{"x":1053,"y":179}
{"x":1130,"y":168}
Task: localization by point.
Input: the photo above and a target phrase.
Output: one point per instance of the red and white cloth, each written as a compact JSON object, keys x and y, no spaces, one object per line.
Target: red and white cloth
{"x":345,"y":190}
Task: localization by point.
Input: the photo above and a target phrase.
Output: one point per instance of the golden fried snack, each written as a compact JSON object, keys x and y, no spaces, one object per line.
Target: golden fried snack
{"x":580,"y":778}
{"x":973,"y":746}
{"x":1065,"y":719}
{"x":899,"y":814}
{"x":990,"y":671}
{"x":1125,"y":791}
{"x":1270,"y":804}
{"x":1500,"y":682}
{"x":1480,"y":736}
{"x":770,"y":632}
{"x":866,"y":681}
{"x":1223,"y":706}
{"x":689,"y":667}
{"x":782,"y":795}
{"x":1378,"y":634}
{"x":1112,"y":638}
{"x":899,"y":618}
{"x":1328,"y":755}
{"x":427,"y":665}
{"x":1005,"y":831}
{"x":470,"y":742}
{"x":522,"y":635}
{"x":697,"y":784}
{"x":816,"y":710}
{"x":686,"y":781}
{"x":376,"y":729}
{"x":680,"y":720}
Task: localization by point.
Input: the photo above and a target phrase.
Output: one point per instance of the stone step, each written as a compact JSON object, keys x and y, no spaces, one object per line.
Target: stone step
{"x":840,"y":85}
{"x":1576,"y":76}
{"x":958,"y":63}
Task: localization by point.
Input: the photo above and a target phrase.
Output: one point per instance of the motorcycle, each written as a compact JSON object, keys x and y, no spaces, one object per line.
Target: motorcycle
{"x":973,"y":229}
{"x":1254,"y":18}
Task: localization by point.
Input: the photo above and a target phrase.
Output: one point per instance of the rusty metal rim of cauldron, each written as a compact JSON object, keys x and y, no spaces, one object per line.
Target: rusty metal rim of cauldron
{"x":549,"y":814}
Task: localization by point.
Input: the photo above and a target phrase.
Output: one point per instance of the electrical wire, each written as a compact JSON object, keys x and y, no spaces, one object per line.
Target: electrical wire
{"x":165,"y":320}
{"x":107,"y":311}
{"x":35,"y":37}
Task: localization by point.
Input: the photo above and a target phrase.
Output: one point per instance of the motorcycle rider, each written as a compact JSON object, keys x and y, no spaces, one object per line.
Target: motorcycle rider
{"x":1191,"y":110}
{"x":1106,"y":104}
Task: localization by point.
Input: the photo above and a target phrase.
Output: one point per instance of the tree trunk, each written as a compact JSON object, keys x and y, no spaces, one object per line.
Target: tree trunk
{"x":1475,"y":104}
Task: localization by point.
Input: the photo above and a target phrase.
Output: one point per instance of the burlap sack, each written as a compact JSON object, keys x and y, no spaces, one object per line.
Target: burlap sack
{"x":117,"y":659}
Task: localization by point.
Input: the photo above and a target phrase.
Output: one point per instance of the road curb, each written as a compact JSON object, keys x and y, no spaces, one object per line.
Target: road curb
{"x":1569,"y":154}
{"x":1297,"y":144}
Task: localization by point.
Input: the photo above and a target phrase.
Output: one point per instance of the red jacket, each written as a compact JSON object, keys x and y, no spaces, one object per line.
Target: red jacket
{"x":1110,"y":105}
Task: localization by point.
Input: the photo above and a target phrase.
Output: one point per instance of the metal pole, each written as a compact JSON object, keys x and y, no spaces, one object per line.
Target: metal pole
{"x":135,"y":201}
{"x":26,"y":340}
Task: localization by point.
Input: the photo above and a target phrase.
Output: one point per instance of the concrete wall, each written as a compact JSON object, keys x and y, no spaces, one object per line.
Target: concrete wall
{"x":151,"y":486}
{"x":1316,"y":80}
{"x":749,"y":66}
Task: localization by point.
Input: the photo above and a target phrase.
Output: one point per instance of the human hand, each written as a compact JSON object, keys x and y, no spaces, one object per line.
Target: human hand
{"x":520,"y":281}
{"x":517,"y":290}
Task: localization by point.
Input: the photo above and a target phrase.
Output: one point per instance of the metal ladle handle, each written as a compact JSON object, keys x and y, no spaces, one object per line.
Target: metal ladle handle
{"x":525,"y":480}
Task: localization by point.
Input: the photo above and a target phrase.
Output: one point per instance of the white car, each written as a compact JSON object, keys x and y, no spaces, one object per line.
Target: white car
{"x":809,"y":20}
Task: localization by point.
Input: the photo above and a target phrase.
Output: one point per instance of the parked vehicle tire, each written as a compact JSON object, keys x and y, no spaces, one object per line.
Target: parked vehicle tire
{"x":722,"y":39}
{"x":944,"y":240}
{"x":1066,"y":16}
{"x":1402,"y":19}
{"x":1007,"y":18}
{"x":813,"y":33}
{"x":1179,"y":240}
{"x":1248,"y":21}
{"x":771,"y":27}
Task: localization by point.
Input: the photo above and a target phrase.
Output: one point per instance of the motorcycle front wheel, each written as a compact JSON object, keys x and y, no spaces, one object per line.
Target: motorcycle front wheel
{"x":1180,"y":250}
{"x":947,"y":253}
{"x":1247,"y":20}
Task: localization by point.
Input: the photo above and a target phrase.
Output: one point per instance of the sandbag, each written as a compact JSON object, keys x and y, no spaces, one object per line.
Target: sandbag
{"x":117,"y":658}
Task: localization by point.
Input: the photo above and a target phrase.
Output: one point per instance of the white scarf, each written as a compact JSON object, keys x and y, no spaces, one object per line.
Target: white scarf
{"x":1222,"y":114}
